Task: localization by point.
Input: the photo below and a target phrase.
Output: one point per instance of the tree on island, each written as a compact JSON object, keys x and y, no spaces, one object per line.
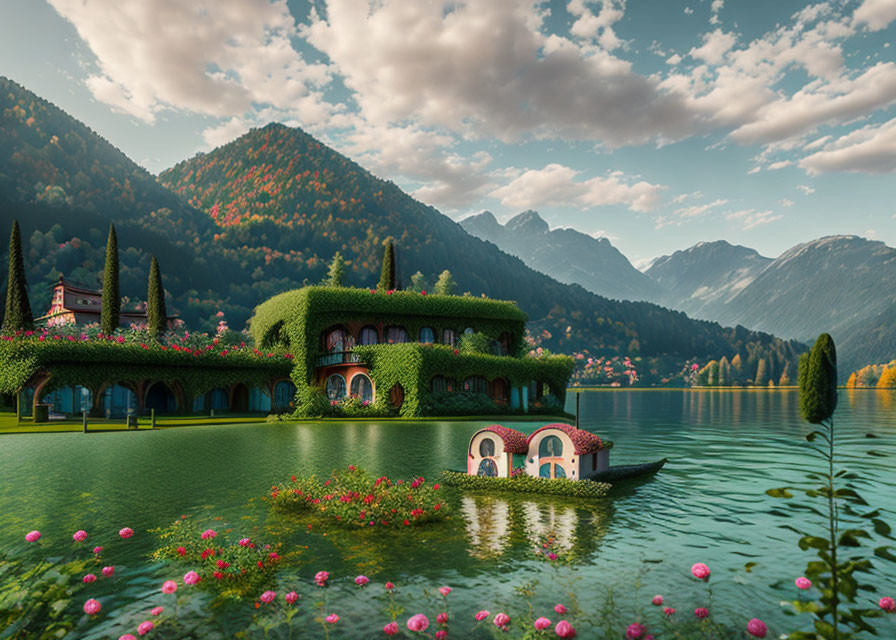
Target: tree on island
{"x":336,"y":272}
{"x":109,"y":315}
{"x":387,"y":274}
{"x":445,"y":285}
{"x":156,"y":313}
{"x":18,"y":309}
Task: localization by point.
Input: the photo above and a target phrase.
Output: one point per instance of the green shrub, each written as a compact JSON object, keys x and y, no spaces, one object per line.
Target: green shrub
{"x":522,"y":483}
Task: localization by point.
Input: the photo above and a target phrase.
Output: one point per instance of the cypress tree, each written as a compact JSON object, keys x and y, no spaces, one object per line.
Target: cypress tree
{"x":156,"y":313}
{"x":336,"y":273}
{"x":109,"y":315}
{"x":18,"y":309}
{"x":761,"y":373}
{"x":387,"y":274}
{"x":818,"y":383}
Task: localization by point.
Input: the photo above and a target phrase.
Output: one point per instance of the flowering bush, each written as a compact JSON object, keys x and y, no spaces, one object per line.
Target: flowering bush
{"x":353,"y":498}
{"x":522,"y":483}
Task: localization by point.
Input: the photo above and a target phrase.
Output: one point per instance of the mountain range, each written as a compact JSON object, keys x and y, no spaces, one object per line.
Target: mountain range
{"x":844,"y":285}
{"x":266,"y":212}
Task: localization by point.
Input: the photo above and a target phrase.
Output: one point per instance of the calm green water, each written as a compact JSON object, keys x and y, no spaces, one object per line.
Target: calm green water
{"x":708,"y":505}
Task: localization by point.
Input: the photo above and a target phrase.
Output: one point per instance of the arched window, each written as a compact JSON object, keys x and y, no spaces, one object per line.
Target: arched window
{"x":441,"y":384}
{"x":550,"y":447}
{"x":336,"y":340}
{"x":448,"y":337}
{"x":369,"y":335}
{"x":469,"y":331}
{"x":487,"y":448}
{"x":362,"y":388}
{"x":396,"y":335}
{"x":550,"y":452}
{"x":335,"y":387}
{"x":475,"y":384}
{"x":284,"y":393}
{"x":427,"y":336}
{"x":487,"y":468}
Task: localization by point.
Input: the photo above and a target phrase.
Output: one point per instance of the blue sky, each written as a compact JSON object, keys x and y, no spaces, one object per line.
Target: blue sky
{"x":658,"y":124}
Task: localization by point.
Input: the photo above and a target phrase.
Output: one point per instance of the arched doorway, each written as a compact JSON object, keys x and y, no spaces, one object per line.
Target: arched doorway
{"x":160,"y":398}
{"x":240,"y":398}
{"x":396,"y":396}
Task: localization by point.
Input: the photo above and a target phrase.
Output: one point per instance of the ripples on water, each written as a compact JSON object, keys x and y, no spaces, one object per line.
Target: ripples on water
{"x":725,"y":448}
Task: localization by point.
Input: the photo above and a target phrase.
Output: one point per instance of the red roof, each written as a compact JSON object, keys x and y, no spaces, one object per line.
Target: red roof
{"x":514,"y":441}
{"x":584,"y":441}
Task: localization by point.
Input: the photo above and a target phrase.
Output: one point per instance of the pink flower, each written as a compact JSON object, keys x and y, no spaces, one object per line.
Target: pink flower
{"x":191,"y":577}
{"x":268,"y":596}
{"x":441,"y":634}
{"x":389,"y":586}
{"x":92,"y":607}
{"x":482,"y":615}
{"x":208,"y":534}
{"x":126,"y":533}
{"x":89,"y":578}
{"x":635,"y":631}
{"x":145,"y":627}
{"x":542,"y":623}
{"x":564,"y":630}
{"x":657,"y":600}
{"x":803,"y":583}
{"x":668,"y":611}
{"x":502,"y":620}
{"x":127,"y":636}
{"x":700,"y":571}
{"x":361,"y":580}
{"x":701,"y":612}
{"x":32,"y":536}
{"x":418,"y":622}
{"x":157,"y":611}
{"x":887,"y":604}
{"x":445,"y":591}
{"x":170,"y":586}
{"x":97,"y":550}
{"x":757,"y":628}
{"x":291,"y":597}
{"x":79,"y":536}
{"x":391,"y":629}
{"x":442,"y":618}
{"x":559,"y":608}
{"x":108,"y":571}
{"x":244,"y":542}
{"x":332,"y":618}
{"x":321,"y":578}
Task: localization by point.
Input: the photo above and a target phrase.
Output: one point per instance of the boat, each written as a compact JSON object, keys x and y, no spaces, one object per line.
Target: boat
{"x":627,"y":472}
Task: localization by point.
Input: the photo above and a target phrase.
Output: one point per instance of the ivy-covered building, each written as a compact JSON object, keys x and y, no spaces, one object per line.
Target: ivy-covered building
{"x":368,"y":352}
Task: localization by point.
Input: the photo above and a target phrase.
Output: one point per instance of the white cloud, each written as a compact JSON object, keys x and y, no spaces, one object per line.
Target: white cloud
{"x":877,"y":14}
{"x":589,"y":26}
{"x":715,"y":8}
{"x":216,"y":57}
{"x":698,"y":209}
{"x":786,"y":202}
{"x":774,"y":166}
{"x":715,"y":46}
{"x":673,"y":59}
{"x":605,"y":234}
{"x":688,"y":10}
{"x":806,"y":189}
{"x":752,"y":218}
{"x":871,"y":149}
{"x":556,"y":185}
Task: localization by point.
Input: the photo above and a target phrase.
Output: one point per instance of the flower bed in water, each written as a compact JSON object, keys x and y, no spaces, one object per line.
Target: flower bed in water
{"x":522,"y":483}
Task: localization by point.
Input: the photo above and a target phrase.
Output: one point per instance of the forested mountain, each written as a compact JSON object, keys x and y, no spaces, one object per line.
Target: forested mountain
{"x":566,"y":255}
{"x":703,"y":278}
{"x":264,"y":214}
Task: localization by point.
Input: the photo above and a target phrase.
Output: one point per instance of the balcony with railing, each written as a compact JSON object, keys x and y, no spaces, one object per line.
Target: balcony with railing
{"x":336,"y":357}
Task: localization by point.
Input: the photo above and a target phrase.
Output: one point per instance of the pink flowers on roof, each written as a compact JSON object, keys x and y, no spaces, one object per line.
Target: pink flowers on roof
{"x":169,"y":586}
{"x":145,"y":627}
{"x":391,"y":629}
{"x":321,"y":578}
{"x":332,"y":618}
{"x":92,"y":607}
{"x":268,"y":597}
{"x":445,"y":591}
{"x":502,"y":620}
{"x":291,"y":597}
{"x":482,"y":615}
{"x":565,"y":630}
{"x":191,"y":578}
{"x":542,"y":623}
{"x":803,"y":583}
{"x":887,"y":604}
{"x":362,"y":580}
{"x":635,"y":631}
{"x":208,"y":534}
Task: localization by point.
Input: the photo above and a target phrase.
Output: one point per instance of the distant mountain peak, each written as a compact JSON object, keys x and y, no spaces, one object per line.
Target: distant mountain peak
{"x":528,"y":221}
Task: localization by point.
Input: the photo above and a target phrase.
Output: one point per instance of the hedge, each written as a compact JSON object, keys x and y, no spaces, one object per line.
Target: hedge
{"x":522,"y":483}
{"x":92,"y":363}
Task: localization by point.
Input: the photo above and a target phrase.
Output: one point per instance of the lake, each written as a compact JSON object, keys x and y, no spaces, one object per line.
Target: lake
{"x":725,"y":448}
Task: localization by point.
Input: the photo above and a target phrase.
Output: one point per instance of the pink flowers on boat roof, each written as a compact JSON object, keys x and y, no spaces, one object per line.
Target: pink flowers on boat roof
{"x":803,"y":583}
{"x":32,"y":536}
{"x":700,"y":571}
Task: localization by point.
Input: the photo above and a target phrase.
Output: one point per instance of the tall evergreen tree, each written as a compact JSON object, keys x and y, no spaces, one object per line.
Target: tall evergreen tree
{"x":737,"y":369}
{"x":761,"y":373}
{"x":156,"y":313}
{"x":18,"y":309}
{"x":109,"y":316}
{"x":724,"y":372}
{"x":336,"y":273}
{"x":445,"y":285}
{"x":387,"y":274}
{"x":818,"y":384}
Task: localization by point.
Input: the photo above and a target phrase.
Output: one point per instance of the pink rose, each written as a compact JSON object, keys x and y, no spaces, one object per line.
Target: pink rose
{"x":803,"y":583}
{"x":559,"y":608}
{"x":542,"y":623}
{"x":145,"y":627}
{"x":442,"y":618}
{"x":635,"y":631}
{"x":700,"y":571}
{"x":418,"y":622}
{"x":361,"y":580}
{"x":92,"y":607}
{"x":108,"y":572}
{"x":657,"y":600}
{"x":208,"y":534}
{"x":97,"y":550}
{"x":126,"y":533}
{"x":445,"y":591}
{"x":887,"y":604}
{"x":332,"y":618}
{"x":389,"y":586}
{"x":32,"y":536}
{"x":244,"y":542}
{"x":79,"y":536}
{"x":268,"y":596}
{"x":89,"y":578}
{"x":669,"y":611}
{"x":321,"y":578}
{"x":482,"y":615}
{"x":170,"y":586}
{"x":191,"y":577}
{"x":701,"y":612}
{"x":157,"y":611}
{"x":564,"y":630}
{"x":441,"y":634}
{"x":291,"y":597}
{"x":391,"y":629}
{"x":757,"y":628}
{"x":502,"y":620}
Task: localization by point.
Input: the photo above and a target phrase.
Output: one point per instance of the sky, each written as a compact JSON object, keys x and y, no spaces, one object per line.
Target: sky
{"x":657,"y":123}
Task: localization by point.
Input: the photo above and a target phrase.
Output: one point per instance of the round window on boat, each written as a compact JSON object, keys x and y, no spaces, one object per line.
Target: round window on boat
{"x":487,"y":468}
{"x":550,"y":447}
{"x":487,"y":448}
